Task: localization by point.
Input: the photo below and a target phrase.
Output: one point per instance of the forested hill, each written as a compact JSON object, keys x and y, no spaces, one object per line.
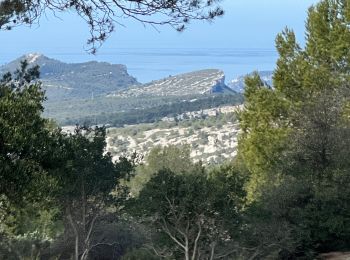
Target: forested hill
{"x":76,"y":80}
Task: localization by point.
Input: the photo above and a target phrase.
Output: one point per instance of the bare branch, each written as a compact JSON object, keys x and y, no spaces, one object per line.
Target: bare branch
{"x":157,"y":253}
{"x":90,"y":229}
{"x":196,"y":241}
{"x":167,"y":231}
{"x":101,"y":16}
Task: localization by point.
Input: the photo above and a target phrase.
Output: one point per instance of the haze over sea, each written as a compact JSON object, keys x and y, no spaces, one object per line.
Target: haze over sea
{"x":152,"y":64}
{"x":239,"y":42}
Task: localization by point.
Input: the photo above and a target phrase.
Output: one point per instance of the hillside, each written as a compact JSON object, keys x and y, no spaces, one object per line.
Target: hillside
{"x":103,"y":93}
{"x":147,"y":103}
{"x":193,"y":83}
{"x":76,"y":80}
{"x":211,"y":134}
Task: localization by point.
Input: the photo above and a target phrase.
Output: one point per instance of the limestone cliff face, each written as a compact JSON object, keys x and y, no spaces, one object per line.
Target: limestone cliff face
{"x":238,"y":84}
{"x":220,"y":86}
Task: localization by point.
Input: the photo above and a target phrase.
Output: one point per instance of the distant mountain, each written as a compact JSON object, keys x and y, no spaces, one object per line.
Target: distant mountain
{"x":103,"y":93}
{"x":237,"y":84}
{"x":194,"y":83}
{"x":76,"y":80}
{"x":148,"y":102}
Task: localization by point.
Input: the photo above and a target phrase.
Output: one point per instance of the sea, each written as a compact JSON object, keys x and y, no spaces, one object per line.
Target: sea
{"x":152,"y":64}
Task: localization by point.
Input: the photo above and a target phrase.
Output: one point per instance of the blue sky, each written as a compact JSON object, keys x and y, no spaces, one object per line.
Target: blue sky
{"x":246,"y":24}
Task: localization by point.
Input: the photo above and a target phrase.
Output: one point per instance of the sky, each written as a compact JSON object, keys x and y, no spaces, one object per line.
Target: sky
{"x":246,"y":24}
{"x":241,"y":41}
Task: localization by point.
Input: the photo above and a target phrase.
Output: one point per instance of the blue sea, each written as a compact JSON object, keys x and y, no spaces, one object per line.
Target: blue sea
{"x":152,"y":64}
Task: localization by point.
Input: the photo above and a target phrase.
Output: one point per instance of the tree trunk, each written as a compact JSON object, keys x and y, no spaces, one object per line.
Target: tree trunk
{"x":76,"y":235}
{"x":187,"y":251}
{"x":76,"y":249}
{"x":212,"y":250}
{"x":195,"y":246}
{"x":187,"y":254}
{"x":83,"y":198}
{"x":88,"y":239}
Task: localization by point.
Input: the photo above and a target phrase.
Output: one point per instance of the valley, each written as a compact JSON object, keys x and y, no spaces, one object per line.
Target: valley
{"x":217,"y":139}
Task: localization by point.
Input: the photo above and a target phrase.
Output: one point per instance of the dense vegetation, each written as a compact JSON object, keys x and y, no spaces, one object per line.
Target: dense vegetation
{"x":285,"y":195}
{"x":156,"y":113}
{"x":296,"y":136}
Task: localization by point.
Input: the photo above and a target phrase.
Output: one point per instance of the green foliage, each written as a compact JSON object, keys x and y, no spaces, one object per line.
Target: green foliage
{"x":294,"y":138}
{"x":86,"y":164}
{"x":139,"y":254}
{"x":303,"y":81}
{"x":264,"y":127}
{"x":27,"y":232}
{"x":135,"y":110}
{"x":52,"y":184}
{"x":23,"y":136}
{"x":191,"y":214}
{"x":175,"y":158}
{"x":28,"y":217}
{"x":285,"y":196}
{"x":86,"y":177}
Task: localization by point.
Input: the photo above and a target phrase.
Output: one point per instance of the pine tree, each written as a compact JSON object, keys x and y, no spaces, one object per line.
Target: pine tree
{"x":296,"y":134}
{"x":309,"y":85}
